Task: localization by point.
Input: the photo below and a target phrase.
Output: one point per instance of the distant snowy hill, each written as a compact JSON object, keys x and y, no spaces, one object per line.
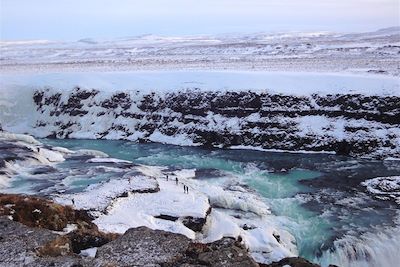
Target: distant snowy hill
{"x":374,"y":52}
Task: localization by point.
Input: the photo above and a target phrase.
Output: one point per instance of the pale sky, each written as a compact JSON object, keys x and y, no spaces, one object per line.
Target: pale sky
{"x":76,"y":19}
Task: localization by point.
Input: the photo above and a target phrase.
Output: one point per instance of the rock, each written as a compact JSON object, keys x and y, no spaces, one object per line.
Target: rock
{"x":195,"y":224}
{"x":60,"y":246}
{"x":226,"y":252}
{"x":62,"y":261}
{"x":84,"y":238}
{"x":43,"y":213}
{"x":293,"y":262}
{"x":19,"y":243}
{"x":167,"y":217}
{"x":143,"y":246}
{"x":36,"y":212}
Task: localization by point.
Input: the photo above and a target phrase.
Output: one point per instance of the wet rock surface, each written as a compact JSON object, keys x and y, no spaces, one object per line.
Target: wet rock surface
{"x":348,"y":124}
{"x":293,"y":262}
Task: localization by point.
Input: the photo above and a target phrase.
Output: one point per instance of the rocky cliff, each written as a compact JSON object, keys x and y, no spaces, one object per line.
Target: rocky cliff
{"x":345,"y":123}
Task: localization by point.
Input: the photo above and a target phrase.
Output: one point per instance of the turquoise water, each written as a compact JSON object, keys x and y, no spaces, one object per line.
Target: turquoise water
{"x":301,"y":189}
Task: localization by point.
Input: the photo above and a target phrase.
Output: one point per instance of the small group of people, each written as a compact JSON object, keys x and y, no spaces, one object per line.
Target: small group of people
{"x":185,"y":187}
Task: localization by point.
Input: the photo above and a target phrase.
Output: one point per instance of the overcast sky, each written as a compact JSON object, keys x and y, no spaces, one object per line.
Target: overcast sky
{"x":75,"y":19}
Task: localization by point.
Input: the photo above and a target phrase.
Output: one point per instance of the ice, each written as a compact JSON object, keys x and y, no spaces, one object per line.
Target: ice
{"x":384,"y":186}
{"x":178,"y":139}
{"x":259,"y":239}
{"x":107,"y":160}
{"x":19,"y":137}
{"x":141,"y":209}
{"x":100,"y":196}
{"x":90,"y":252}
{"x":51,"y":156}
{"x":91,"y":152}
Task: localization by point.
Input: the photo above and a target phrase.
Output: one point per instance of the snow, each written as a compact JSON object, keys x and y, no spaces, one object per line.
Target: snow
{"x":29,"y":152}
{"x":178,"y":139}
{"x":51,"y":156}
{"x":285,"y":51}
{"x":100,"y":196}
{"x":220,"y":225}
{"x":19,"y":137}
{"x":62,"y":150}
{"x":260,"y":240}
{"x":69,"y":228}
{"x":170,"y":200}
{"x":107,"y":160}
{"x":90,"y":152}
{"x":384,"y":186}
{"x":180,"y":128}
{"x":292,"y":83}
{"x":90,"y":252}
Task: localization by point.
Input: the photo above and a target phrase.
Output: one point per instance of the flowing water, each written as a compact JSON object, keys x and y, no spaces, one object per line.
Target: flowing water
{"x":316,"y":197}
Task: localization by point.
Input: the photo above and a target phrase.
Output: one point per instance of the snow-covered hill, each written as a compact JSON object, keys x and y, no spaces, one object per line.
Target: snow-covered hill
{"x":375,"y":52}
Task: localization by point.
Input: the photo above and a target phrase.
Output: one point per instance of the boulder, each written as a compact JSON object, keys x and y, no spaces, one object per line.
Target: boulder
{"x":21,"y":245}
{"x":293,"y":262}
{"x":143,"y":246}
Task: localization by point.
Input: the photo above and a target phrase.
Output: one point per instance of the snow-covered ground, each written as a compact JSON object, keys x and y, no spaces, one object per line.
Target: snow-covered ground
{"x":373,"y":52}
{"x":278,"y":82}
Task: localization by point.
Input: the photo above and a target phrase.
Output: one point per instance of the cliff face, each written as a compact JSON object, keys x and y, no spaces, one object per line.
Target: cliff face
{"x":349,"y":124}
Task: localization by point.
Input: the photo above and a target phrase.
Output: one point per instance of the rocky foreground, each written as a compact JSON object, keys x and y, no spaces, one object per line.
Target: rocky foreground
{"x":38,"y":232}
